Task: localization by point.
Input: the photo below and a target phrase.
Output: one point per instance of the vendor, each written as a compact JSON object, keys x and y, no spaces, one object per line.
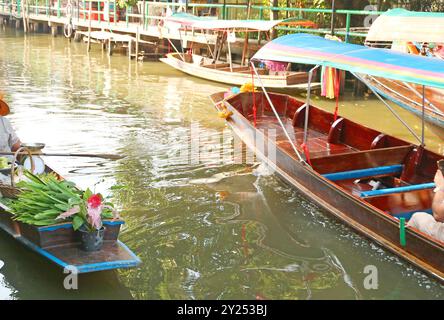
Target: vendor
{"x":9,"y":141}
{"x":433,"y":225}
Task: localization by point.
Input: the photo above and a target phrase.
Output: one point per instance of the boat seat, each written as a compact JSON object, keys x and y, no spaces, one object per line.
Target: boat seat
{"x":408,"y":215}
{"x":362,"y":173}
{"x":383,"y":192}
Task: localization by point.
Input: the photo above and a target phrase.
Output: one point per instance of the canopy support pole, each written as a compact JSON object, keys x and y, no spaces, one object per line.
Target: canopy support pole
{"x":388,"y":106}
{"x":423,"y":117}
{"x":174,"y":47}
{"x":307,"y":104}
{"x":433,"y":109}
{"x":229,"y":53}
{"x":422,"y":96}
{"x":276,"y":114}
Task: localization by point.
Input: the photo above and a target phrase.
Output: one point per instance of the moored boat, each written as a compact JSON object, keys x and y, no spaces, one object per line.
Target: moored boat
{"x":417,"y":33}
{"x":201,"y":67}
{"x":371,"y":181}
{"x":60,"y":244}
{"x":213,"y":68}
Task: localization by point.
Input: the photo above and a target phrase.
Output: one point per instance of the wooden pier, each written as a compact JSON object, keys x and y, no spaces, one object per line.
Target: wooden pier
{"x":145,"y":23}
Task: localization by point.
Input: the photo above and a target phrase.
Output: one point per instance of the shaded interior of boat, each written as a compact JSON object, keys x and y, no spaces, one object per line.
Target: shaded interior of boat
{"x":291,"y":77}
{"x":387,"y":173}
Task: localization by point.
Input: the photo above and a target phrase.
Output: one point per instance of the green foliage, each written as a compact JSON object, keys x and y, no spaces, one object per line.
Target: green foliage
{"x":43,"y":199}
{"x":126,"y":3}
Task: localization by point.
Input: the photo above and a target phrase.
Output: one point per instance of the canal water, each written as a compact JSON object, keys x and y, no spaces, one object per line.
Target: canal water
{"x":203,"y":229}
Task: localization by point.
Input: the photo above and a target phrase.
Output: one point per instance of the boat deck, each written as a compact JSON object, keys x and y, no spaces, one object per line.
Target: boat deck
{"x":317,"y":142}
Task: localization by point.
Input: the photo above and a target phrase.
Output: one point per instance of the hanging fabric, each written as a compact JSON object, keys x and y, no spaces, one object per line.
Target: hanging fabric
{"x":330,"y":80}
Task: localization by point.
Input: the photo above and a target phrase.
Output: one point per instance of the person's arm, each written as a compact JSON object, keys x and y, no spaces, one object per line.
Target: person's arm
{"x":16,"y":146}
{"x":438,"y":199}
{"x":13,"y":140}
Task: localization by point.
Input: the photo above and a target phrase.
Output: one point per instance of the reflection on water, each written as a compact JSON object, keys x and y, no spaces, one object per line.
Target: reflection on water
{"x":203,"y":231}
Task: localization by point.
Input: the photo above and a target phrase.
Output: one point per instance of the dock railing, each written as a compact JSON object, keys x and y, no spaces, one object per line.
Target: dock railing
{"x":150,"y":13}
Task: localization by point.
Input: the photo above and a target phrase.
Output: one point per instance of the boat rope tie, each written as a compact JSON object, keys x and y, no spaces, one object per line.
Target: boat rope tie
{"x":402,"y":238}
{"x":306,"y":153}
{"x":224,"y":113}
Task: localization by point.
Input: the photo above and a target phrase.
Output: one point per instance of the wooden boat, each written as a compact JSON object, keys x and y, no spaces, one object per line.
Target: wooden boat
{"x":398,"y":29}
{"x":61,"y":245}
{"x":202,"y":67}
{"x":409,"y":97}
{"x":215,"y":69}
{"x":367,"y":179}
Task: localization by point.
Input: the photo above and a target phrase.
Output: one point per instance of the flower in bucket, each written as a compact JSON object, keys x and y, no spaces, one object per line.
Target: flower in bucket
{"x":89,"y":211}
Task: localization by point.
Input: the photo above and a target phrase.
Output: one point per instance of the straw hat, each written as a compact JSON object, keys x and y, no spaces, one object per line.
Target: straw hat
{"x":4,"y":108}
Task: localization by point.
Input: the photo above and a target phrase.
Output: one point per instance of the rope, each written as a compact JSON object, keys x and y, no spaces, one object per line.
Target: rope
{"x":307,"y":153}
{"x":337,"y":85}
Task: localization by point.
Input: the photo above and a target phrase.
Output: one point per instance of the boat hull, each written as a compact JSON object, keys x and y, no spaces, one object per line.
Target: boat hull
{"x":396,"y":92}
{"x":421,"y":250}
{"x":61,"y":245}
{"x":236,"y":78}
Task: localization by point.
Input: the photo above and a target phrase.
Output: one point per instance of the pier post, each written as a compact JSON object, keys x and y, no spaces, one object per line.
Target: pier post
{"x":54,"y":30}
{"x":77,"y":37}
{"x":35,"y":26}
{"x":129,"y":49}
{"x":137,"y":42}
{"x":45,"y":28}
{"x":18,"y":23}
{"x":110,"y":47}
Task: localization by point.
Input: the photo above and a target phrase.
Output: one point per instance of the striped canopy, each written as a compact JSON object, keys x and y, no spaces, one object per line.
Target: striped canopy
{"x":212,"y":23}
{"x":310,"y":49}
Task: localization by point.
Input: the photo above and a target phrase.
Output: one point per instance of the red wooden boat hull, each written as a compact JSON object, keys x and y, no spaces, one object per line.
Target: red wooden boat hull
{"x":337,"y":147}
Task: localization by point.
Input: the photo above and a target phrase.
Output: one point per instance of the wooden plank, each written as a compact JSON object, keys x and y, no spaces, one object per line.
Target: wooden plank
{"x":362,"y":159}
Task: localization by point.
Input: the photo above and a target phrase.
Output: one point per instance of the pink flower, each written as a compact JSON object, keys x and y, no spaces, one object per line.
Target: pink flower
{"x":94,"y":216}
{"x":69,"y":213}
{"x":95,"y":201}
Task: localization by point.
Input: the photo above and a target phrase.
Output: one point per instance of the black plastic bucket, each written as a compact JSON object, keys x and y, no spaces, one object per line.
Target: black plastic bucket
{"x":91,"y":241}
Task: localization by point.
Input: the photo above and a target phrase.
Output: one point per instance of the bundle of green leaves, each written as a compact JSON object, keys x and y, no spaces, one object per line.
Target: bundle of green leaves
{"x":46,"y":200}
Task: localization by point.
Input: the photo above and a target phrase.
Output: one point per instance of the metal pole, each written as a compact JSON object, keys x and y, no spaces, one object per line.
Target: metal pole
{"x":333,"y":17}
{"x":388,"y":106}
{"x":307,"y":104}
{"x":423,"y":117}
{"x":277,"y":114}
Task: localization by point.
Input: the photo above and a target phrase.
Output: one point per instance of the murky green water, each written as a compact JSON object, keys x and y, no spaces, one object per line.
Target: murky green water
{"x":203,"y":230}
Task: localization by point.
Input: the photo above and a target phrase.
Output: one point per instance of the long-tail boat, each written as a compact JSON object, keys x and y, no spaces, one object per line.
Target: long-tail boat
{"x":212,"y":67}
{"x":60,"y":244}
{"x":370,"y":180}
{"x":411,"y":32}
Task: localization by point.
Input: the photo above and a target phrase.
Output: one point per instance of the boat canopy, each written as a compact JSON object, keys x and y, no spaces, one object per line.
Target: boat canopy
{"x":210,"y":23}
{"x":404,"y":25}
{"x":315,"y":50}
